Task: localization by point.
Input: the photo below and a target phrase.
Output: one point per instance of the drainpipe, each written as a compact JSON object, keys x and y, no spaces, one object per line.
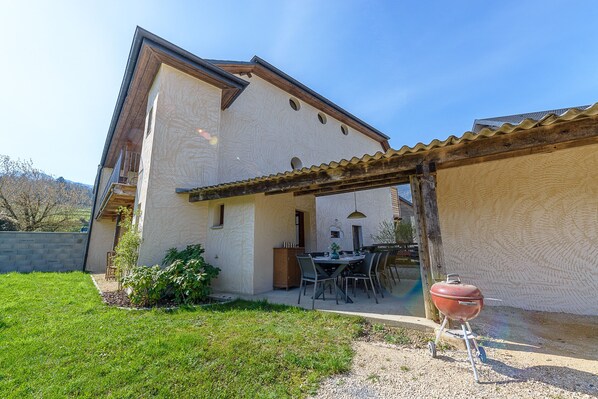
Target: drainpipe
{"x":93,"y":212}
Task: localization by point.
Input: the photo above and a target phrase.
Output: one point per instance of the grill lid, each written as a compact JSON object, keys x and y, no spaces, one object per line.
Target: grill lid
{"x":454,"y":289}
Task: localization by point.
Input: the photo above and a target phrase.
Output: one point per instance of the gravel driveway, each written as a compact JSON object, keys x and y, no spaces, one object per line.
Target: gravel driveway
{"x":382,"y":370}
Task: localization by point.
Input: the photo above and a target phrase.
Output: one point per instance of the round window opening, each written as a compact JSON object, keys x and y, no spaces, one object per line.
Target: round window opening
{"x":296,"y":163}
{"x":345,"y":130}
{"x":322,"y":118}
{"x":294,"y":104}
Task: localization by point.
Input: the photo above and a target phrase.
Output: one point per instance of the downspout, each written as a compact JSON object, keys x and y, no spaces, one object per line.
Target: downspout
{"x":93,"y":212}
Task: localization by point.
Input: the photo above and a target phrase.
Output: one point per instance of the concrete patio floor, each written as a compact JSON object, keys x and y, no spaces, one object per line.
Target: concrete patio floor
{"x":403,"y":307}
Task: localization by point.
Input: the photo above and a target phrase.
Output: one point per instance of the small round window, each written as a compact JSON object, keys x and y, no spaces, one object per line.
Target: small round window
{"x":294,"y":103}
{"x":344,"y":129}
{"x":322,"y":118}
{"x":296,"y":163}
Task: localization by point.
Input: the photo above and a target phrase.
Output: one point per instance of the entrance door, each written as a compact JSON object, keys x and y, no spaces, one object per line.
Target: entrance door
{"x":300,"y":228}
{"x":357,"y":238}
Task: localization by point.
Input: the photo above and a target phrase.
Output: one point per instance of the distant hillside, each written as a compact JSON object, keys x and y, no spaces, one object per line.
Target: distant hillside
{"x":85,"y":188}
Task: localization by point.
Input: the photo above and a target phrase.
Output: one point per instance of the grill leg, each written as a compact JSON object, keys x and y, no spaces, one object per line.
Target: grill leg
{"x":475,"y":344}
{"x":475,"y":372}
{"x":441,"y":329}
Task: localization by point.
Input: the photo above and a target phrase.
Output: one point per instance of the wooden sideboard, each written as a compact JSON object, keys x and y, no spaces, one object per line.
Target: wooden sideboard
{"x":286,"y":268}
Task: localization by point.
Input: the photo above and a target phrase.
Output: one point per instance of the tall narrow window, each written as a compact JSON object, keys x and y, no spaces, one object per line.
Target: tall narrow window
{"x":300,"y":228}
{"x":221,"y":215}
{"x":218,"y":216}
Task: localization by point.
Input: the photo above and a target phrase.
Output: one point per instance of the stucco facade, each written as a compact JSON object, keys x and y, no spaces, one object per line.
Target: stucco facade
{"x":525,"y":229}
{"x":101,"y":238}
{"x":189,"y":141}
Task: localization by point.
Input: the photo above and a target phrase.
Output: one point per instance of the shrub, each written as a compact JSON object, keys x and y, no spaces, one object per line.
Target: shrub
{"x":189,"y":276}
{"x":189,"y":282}
{"x":147,"y":285}
{"x":186,"y":278}
{"x":191,"y":252}
{"x":390,"y":232}
{"x":127,"y":249}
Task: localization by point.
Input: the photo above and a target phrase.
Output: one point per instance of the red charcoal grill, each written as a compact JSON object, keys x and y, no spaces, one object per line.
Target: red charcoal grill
{"x":459,"y":302}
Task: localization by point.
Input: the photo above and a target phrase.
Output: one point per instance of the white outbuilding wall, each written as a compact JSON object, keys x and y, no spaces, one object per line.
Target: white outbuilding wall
{"x":525,"y":229}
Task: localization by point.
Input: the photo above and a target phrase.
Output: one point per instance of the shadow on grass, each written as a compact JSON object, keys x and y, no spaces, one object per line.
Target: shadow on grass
{"x":238,"y":305}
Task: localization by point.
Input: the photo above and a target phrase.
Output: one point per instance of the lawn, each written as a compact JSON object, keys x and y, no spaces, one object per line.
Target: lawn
{"x":58,"y":339}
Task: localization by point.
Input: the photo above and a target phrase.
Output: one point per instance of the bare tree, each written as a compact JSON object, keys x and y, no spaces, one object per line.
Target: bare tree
{"x":31,"y":200}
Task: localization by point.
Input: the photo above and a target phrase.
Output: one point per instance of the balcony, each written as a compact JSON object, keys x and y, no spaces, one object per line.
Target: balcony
{"x":121,"y":187}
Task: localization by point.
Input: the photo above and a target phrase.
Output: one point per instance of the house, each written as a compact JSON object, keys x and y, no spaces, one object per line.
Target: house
{"x":402,"y":208}
{"x":497,"y":121}
{"x":183,"y":122}
{"x":512,"y":210}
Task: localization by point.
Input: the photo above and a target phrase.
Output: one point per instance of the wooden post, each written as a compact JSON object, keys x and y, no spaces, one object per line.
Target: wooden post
{"x":424,"y":260}
{"x":423,"y":188}
{"x":116,"y":231}
{"x":432,"y":223}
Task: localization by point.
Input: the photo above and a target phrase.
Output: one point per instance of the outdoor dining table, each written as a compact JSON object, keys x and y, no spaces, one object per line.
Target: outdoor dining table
{"x":339,"y":265}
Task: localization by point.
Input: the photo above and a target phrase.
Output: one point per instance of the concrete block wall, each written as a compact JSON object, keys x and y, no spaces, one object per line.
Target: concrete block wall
{"x":41,"y":251}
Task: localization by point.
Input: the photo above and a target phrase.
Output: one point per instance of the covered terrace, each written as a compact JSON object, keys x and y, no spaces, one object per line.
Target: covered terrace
{"x":420,"y":166}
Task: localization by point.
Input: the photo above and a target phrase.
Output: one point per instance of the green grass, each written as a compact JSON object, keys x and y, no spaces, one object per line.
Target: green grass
{"x":58,"y":339}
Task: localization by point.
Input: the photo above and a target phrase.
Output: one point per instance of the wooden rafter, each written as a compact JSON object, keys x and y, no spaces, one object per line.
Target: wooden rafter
{"x":364,"y":175}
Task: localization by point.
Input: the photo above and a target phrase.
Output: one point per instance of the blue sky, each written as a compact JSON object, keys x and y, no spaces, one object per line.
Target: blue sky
{"x":414,"y":70}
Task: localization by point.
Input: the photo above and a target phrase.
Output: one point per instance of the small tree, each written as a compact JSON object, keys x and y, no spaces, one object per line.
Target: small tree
{"x":390,"y":232}
{"x":127,"y":249}
{"x":31,"y":200}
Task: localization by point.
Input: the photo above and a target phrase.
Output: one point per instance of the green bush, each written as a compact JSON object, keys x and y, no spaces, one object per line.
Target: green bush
{"x":390,"y":232}
{"x":186,"y":278}
{"x":189,"y":282}
{"x":127,"y":249}
{"x":148,"y":285}
{"x":191,"y":252}
{"x":189,"y":275}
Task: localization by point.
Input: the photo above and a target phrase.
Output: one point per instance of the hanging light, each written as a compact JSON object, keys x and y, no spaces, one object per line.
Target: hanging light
{"x":356,"y":214}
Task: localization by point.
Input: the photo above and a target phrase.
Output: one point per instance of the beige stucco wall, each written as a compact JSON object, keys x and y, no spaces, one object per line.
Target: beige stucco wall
{"x":253,"y":226}
{"x":183,"y":154}
{"x":196,"y":144}
{"x":101,"y":237}
{"x":375,"y":204}
{"x":525,"y":230}
{"x":260,"y":133}
{"x":231,"y":247}
{"x":274,"y":223}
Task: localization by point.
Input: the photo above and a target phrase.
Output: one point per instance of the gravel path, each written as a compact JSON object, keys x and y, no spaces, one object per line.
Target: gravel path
{"x":382,"y":370}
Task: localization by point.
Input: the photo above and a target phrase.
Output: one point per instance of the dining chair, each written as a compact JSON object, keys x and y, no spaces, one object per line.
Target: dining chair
{"x":383,"y":272}
{"x":310,"y":273}
{"x":393,"y":264}
{"x":363,"y":272}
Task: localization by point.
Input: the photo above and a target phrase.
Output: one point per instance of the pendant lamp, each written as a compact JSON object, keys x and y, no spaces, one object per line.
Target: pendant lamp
{"x":356,"y":214}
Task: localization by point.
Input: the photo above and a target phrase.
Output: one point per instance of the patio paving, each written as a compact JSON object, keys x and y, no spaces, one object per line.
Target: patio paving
{"x":403,"y":307}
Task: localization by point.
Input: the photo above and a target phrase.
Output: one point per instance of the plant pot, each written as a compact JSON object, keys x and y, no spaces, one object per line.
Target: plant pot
{"x":334,"y":255}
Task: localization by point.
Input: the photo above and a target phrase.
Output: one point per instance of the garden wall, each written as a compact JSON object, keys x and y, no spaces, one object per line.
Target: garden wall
{"x":40,"y":251}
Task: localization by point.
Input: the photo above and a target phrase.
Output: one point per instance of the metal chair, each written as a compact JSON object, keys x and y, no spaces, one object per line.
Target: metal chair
{"x":383,"y":272}
{"x":365,"y":273}
{"x":311,"y":273}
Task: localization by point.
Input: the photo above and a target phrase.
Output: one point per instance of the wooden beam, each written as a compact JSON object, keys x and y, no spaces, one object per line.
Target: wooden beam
{"x":540,"y":139}
{"x":424,"y":254}
{"x":424,"y":260}
{"x":432,"y":224}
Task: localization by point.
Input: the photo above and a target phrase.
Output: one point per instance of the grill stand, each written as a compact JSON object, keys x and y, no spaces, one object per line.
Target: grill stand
{"x":467,"y":336}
